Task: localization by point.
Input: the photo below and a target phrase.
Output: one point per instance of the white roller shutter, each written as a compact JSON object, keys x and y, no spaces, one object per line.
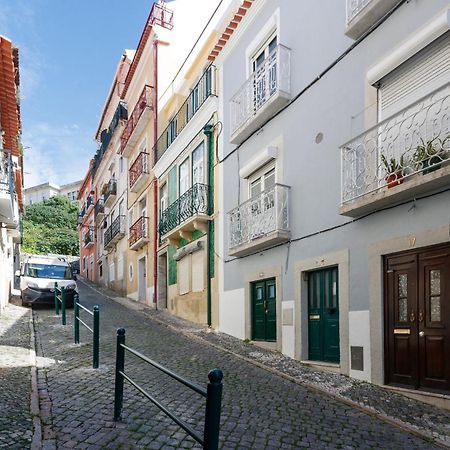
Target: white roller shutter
{"x":423,"y":73}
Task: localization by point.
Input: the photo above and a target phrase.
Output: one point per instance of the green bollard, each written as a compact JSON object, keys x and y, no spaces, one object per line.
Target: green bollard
{"x":96,"y":337}
{"x":120,"y":366}
{"x":63,"y":305}
{"x":212,"y":413}
{"x":56,"y":300}
{"x":76,"y":322}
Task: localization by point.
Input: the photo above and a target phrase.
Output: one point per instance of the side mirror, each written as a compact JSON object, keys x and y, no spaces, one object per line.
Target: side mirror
{"x":17,"y":273}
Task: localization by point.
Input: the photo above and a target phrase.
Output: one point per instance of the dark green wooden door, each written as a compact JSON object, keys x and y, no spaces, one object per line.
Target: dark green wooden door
{"x":323,"y":315}
{"x":264,"y":311}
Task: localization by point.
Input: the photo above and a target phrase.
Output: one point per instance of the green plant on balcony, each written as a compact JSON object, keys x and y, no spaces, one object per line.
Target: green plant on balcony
{"x":395,"y":170}
{"x":429,"y":155}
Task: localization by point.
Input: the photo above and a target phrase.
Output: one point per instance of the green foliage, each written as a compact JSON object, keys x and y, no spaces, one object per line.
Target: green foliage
{"x":51,"y":227}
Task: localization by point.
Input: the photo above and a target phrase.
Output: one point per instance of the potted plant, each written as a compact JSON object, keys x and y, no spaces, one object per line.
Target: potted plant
{"x":395,"y":170}
{"x":429,"y":156}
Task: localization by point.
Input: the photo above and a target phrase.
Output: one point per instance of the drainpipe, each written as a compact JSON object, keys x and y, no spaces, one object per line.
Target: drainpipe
{"x":208,"y":130}
{"x":155,"y":181}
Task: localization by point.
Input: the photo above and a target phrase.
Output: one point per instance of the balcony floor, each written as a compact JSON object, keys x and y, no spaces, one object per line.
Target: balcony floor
{"x":185,"y":229}
{"x":140,"y":243}
{"x":272,"y":238}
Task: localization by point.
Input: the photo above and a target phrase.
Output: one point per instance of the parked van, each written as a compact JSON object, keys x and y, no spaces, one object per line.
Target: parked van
{"x":38,"y":277}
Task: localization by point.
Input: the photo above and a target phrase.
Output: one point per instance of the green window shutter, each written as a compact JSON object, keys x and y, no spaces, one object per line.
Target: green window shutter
{"x":172,"y":184}
{"x":172,"y":265}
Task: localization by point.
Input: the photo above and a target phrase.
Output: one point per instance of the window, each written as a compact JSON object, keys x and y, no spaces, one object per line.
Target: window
{"x":172,"y":131}
{"x":197,"y":165}
{"x":84,"y":263}
{"x":100,"y":270}
{"x":121,"y":164}
{"x":163,"y":198}
{"x":261,"y":180}
{"x":184,"y":177}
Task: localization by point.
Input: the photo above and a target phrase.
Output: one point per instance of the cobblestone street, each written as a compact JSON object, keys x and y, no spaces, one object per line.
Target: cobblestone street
{"x":260,"y":409}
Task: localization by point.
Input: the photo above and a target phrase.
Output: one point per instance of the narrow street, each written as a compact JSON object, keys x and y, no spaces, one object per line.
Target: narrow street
{"x":260,"y":409}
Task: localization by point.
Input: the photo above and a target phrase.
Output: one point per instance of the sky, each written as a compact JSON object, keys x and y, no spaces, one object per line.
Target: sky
{"x":69,"y":50}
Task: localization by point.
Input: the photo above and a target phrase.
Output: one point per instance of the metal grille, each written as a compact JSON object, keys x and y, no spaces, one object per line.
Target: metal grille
{"x":139,"y":167}
{"x":115,"y":231}
{"x":139,"y":230}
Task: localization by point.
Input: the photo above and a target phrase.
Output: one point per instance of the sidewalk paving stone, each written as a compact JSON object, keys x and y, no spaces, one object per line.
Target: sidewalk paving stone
{"x":260,"y":409}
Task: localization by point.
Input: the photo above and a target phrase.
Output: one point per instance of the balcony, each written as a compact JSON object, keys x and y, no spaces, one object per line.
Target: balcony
{"x":198,"y":96}
{"x":89,"y":201}
{"x":9,"y":207}
{"x":362,"y":14}
{"x":99,"y":210}
{"x":136,"y":122}
{"x":263,"y":94}
{"x":88,"y":239}
{"x":404,"y":156}
{"x":190,"y":212}
{"x":139,"y":233}
{"x":109,"y":192}
{"x":115,"y":232}
{"x":260,"y":222}
{"x":139,"y":173}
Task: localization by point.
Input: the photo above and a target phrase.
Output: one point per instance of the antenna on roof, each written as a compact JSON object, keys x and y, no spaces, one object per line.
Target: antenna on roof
{"x":161,"y":15}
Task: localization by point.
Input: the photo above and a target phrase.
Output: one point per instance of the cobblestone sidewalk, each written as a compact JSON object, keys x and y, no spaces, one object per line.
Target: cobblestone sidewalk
{"x":16,"y":423}
{"x":396,"y":408}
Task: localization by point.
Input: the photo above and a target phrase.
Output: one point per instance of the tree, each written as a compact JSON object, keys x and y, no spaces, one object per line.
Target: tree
{"x":51,"y":227}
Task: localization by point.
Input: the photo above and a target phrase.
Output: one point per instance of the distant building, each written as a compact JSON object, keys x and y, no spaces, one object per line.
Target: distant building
{"x":41,"y":192}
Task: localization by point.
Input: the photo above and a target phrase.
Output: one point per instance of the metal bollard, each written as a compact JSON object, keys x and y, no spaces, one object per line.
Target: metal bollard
{"x":63,"y":305}
{"x":76,"y":314}
{"x":96,"y":337}
{"x":120,"y":366}
{"x":56,"y":300}
{"x":212,"y":413}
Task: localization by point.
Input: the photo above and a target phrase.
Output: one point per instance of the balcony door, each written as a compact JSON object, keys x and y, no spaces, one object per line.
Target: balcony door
{"x":417,"y":308}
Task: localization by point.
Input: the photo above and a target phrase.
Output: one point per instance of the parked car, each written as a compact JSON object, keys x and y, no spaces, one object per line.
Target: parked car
{"x":38,"y":277}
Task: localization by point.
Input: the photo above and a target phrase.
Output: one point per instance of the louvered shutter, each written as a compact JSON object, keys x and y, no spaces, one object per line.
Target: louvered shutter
{"x":418,"y":76}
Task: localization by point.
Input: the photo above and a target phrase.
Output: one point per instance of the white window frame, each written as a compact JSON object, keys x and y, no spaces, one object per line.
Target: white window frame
{"x":201,"y":163}
{"x":186,"y":161}
{"x":260,"y":174}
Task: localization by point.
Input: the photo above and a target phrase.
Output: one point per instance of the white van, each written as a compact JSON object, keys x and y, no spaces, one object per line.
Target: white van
{"x":38,"y":277}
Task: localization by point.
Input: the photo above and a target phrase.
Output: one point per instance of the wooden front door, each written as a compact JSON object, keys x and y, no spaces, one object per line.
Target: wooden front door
{"x":323,"y":315}
{"x":417,"y":310}
{"x":264,"y":311}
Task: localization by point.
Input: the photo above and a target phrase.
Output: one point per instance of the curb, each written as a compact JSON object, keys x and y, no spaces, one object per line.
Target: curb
{"x":364,"y":409}
{"x":36,"y":442}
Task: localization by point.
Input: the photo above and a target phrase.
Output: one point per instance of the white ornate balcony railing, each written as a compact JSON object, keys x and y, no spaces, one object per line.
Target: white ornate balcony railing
{"x":417,"y":139}
{"x":354,"y":7}
{"x":259,"y":216}
{"x":273,"y":77}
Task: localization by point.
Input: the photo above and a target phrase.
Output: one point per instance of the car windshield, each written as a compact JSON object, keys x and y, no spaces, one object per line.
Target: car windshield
{"x":47,"y":271}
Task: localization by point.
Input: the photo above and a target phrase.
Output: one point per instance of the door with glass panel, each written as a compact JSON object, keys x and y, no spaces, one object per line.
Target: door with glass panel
{"x":264,"y":312}
{"x":417,"y":305}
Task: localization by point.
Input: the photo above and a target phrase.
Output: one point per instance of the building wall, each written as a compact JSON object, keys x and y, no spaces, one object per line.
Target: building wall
{"x":39,"y":193}
{"x":339,"y":106}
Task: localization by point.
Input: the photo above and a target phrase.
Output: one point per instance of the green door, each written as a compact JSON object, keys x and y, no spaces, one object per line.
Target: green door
{"x":323,"y":315}
{"x":264,"y":311}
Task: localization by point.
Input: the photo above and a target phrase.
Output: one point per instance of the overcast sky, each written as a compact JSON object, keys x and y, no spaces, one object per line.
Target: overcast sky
{"x":69,"y":50}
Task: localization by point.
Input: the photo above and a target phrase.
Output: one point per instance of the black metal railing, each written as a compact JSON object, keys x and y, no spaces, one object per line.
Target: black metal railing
{"x":109,"y":189}
{"x":88,"y":238}
{"x":199,"y":94}
{"x":95,"y":330}
{"x":213,"y":395}
{"x":196,"y":200}
{"x":138,"y":230}
{"x":89,"y":201}
{"x":115,"y":230}
{"x":99,"y":207}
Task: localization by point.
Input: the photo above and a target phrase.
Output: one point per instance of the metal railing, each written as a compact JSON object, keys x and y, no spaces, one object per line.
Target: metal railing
{"x":272,"y":77}
{"x":88,"y":238}
{"x":145,"y":101}
{"x":6,"y":172}
{"x":99,"y":207}
{"x":200,"y":93}
{"x":115,"y":230}
{"x":213,"y":395}
{"x":354,"y":7}
{"x":139,"y":230}
{"x":196,"y":200}
{"x":60,"y":297}
{"x":89,"y":201}
{"x":109,"y":189}
{"x":260,"y":215}
{"x":139,"y":167}
{"x":417,"y":139}
{"x":95,"y":330}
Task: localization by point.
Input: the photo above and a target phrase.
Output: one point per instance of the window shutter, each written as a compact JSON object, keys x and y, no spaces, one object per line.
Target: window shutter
{"x":418,"y":76}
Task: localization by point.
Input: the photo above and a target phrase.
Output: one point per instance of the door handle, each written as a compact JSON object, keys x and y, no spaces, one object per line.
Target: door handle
{"x":422,"y":333}
{"x":412,"y":317}
{"x":420,"y":316}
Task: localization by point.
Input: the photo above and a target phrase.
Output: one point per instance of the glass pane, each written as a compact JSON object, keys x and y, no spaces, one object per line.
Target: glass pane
{"x":272,"y":44}
{"x":197,"y":165}
{"x":403,"y":285}
{"x":259,"y":293}
{"x":184,"y":176}
{"x":435,"y":309}
{"x":435,"y":282}
{"x":327,"y":292}
{"x":271,"y":289}
{"x":269,"y":179}
{"x":402,"y":309}
{"x":255,"y":188}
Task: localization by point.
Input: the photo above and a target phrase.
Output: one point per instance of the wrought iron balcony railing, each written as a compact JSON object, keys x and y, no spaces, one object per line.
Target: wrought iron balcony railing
{"x":199,"y":94}
{"x":259,"y":216}
{"x":6,"y":173}
{"x":194,"y":201}
{"x":354,"y":7}
{"x":144,"y":102}
{"x":139,"y":230}
{"x":88,"y":238}
{"x":271,"y":78}
{"x":417,"y":139}
{"x":138,"y":168}
{"x":115,"y":231}
{"x":99,"y":208}
{"x":109,"y":190}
